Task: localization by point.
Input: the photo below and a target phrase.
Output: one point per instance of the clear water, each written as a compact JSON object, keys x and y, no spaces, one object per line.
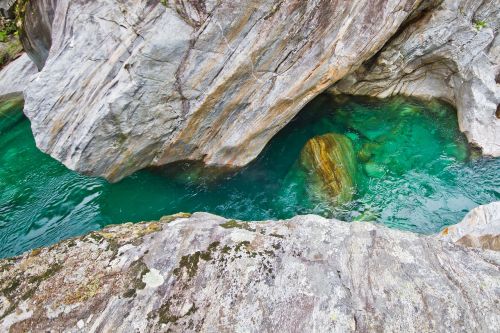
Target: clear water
{"x":416,"y":173}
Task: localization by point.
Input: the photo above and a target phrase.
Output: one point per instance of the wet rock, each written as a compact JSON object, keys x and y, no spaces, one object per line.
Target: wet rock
{"x":330,"y":162}
{"x":203,"y":272}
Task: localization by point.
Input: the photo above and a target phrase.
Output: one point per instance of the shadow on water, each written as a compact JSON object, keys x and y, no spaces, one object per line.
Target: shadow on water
{"x":415,"y":172}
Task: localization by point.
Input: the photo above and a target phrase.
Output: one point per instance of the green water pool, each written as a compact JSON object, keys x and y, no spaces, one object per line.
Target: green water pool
{"x":415,"y":172}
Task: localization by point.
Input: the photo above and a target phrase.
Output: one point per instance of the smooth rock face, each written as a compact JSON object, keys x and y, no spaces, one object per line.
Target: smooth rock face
{"x":36,"y":33}
{"x":129,"y":84}
{"x":15,"y":76}
{"x":479,"y":228}
{"x":452,"y":53}
{"x":330,"y":163}
{"x":205,"y":273}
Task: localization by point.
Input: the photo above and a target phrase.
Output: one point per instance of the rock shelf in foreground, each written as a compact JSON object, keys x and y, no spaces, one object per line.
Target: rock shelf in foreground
{"x":205,"y":273}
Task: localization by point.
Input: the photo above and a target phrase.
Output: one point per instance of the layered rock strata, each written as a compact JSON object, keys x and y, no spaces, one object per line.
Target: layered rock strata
{"x":205,"y":273}
{"x":451,"y":52}
{"x":130,"y":84}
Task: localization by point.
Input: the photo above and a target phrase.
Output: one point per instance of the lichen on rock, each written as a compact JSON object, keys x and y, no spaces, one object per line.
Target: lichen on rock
{"x":303,"y":274}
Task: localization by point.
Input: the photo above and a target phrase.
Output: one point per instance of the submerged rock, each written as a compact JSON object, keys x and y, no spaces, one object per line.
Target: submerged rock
{"x":330,"y":163}
{"x":203,"y":272}
{"x":215,"y":86}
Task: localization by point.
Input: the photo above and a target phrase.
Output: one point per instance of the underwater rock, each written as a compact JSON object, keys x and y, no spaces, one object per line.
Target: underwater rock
{"x":200,"y":272}
{"x":11,"y":103}
{"x":375,"y":170}
{"x":119,"y":92}
{"x":479,"y":228}
{"x":451,"y":52}
{"x":330,"y":162}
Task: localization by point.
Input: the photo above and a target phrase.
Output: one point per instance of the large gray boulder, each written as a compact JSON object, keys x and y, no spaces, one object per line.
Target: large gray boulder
{"x":129,"y":84}
{"x":207,"y":274}
{"x":451,"y":53}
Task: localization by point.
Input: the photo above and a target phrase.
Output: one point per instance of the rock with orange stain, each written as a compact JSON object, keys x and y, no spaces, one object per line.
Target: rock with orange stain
{"x":132,"y":84}
{"x":479,"y":228}
{"x":330,"y":163}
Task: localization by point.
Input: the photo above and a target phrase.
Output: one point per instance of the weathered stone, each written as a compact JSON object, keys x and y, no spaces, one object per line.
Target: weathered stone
{"x":15,"y":76}
{"x":129,"y":84}
{"x":329,"y":161}
{"x":36,"y":32}
{"x":479,"y":228}
{"x":205,"y":273}
{"x":7,"y":8}
{"x":451,"y":52}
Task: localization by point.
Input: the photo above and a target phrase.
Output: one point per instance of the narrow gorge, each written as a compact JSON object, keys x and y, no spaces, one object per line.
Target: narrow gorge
{"x":319,"y":165}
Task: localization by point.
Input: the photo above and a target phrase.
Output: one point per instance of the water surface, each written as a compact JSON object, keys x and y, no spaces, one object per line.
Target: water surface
{"x":416,"y":172}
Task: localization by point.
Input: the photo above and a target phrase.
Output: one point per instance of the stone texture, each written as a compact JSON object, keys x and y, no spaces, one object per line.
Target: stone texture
{"x":7,"y":8}
{"x":130,"y":84}
{"x":446,"y":54}
{"x":479,"y":228}
{"x":329,"y":161}
{"x":207,"y":274}
{"x":36,"y":32}
{"x":15,"y":76}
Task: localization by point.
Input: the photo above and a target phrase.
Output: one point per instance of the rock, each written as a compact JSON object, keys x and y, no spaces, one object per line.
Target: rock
{"x":329,"y":161}
{"x":374,"y":169}
{"x":7,"y":8}
{"x":479,"y":228}
{"x":36,"y":32}
{"x":452,"y":53}
{"x":124,"y":93}
{"x":203,"y":272}
{"x":11,"y":103}
{"x":10,"y":49}
{"x":15,"y":76}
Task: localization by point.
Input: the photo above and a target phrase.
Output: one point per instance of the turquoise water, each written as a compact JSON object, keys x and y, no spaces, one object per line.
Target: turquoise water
{"x":416,"y":173}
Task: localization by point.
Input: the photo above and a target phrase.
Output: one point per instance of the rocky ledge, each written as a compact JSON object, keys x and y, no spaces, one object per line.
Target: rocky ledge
{"x":207,"y":273}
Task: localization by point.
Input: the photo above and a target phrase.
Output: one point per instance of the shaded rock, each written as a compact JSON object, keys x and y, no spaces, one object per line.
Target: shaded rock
{"x":479,"y":228}
{"x":10,"y":49}
{"x":330,"y":163}
{"x":452,"y":53}
{"x":124,"y":93}
{"x":11,"y":102}
{"x":203,"y":272}
{"x":7,"y":8}
{"x":15,"y":76}
{"x":36,"y":32}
